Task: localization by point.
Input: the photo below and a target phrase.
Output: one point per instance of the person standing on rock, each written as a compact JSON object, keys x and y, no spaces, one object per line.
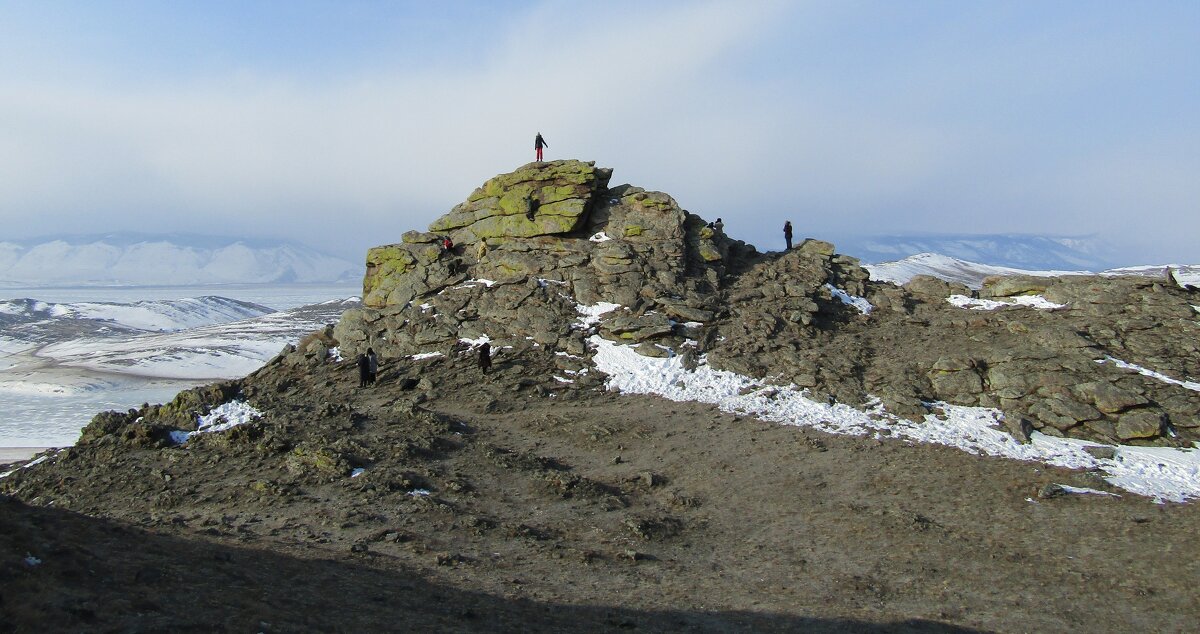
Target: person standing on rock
{"x":372,"y":366}
{"x":538,"y":144}
{"x":485,"y":357}
{"x":364,"y":370}
{"x":787,"y":233}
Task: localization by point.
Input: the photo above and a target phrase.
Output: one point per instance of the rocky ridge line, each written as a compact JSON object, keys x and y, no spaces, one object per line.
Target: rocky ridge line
{"x":533,"y":245}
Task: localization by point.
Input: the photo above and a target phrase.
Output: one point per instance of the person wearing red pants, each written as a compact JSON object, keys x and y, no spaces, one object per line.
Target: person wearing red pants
{"x":538,"y":144}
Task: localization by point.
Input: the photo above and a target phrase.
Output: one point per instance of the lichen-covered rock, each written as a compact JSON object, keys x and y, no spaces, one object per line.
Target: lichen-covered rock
{"x":538,"y":199}
{"x":1139,"y":424}
{"x":535,"y":246}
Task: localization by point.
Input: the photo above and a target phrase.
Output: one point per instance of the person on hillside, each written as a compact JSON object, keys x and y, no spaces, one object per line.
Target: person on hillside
{"x":538,"y":144}
{"x":787,"y":234}
{"x":485,"y":357}
{"x":372,"y":366}
{"x":447,"y":244}
{"x":718,"y":226}
{"x":364,"y":370}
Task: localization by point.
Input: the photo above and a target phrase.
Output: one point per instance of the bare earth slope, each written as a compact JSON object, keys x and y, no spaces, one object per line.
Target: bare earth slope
{"x":556,"y":508}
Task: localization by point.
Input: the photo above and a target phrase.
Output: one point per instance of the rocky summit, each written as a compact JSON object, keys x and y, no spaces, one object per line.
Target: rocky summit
{"x":532,"y":246}
{"x":449,"y":496}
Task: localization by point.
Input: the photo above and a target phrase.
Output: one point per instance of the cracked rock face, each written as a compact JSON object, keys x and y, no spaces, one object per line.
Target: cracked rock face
{"x":534,"y":245}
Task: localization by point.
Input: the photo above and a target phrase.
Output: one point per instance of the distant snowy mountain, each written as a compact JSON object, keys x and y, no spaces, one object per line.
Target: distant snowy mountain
{"x":972,"y":273}
{"x":943,"y":267}
{"x":140,"y":260}
{"x":1028,"y":252}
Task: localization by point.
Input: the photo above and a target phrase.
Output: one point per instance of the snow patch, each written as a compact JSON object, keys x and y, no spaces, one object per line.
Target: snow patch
{"x":1084,"y":490}
{"x":478,"y":341}
{"x":477,"y":282}
{"x":860,"y":303}
{"x":591,"y":314}
{"x":1033,"y":301}
{"x":1191,"y":385}
{"x":600,"y":237}
{"x":35,"y":461}
{"x":425,"y":355}
{"x":220,"y":418}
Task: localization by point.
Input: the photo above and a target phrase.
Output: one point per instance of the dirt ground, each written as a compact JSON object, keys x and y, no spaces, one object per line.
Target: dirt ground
{"x":568,"y":508}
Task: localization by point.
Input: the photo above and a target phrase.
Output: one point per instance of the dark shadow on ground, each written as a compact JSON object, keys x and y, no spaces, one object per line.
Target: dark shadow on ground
{"x":63,"y":571}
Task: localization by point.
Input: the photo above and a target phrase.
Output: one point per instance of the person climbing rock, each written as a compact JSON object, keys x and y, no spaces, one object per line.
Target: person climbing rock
{"x":364,"y":370}
{"x":485,"y":357}
{"x":787,"y":234}
{"x":447,"y":244}
{"x":718,"y":225}
{"x":538,"y":144}
{"x":372,"y":366}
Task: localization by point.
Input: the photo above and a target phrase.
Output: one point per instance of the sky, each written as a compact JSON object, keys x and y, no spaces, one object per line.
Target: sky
{"x":343,"y":124}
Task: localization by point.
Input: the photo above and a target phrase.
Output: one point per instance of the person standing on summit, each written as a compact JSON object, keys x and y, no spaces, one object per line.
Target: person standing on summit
{"x":787,"y":233}
{"x":538,"y":144}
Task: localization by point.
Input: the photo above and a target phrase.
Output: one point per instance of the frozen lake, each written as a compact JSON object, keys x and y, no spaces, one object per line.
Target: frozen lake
{"x":50,"y":406}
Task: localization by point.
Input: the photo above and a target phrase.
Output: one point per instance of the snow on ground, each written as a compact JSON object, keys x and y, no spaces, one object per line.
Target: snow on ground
{"x":1191,"y":385}
{"x":222,"y":417}
{"x":970,"y":274}
{"x":590,"y":315}
{"x":1183,"y":273}
{"x":35,"y":461}
{"x":424,"y":355}
{"x":1033,"y":301}
{"x":1084,"y":490}
{"x":860,"y":303}
{"x":1164,"y":474}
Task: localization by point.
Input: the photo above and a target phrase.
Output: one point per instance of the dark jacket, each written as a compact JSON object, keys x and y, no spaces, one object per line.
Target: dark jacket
{"x":364,"y":370}
{"x":539,"y":142}
{"x":485,"y":356}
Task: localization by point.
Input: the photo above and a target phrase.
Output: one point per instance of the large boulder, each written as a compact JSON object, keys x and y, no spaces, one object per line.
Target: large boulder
{"x":536,"y":200}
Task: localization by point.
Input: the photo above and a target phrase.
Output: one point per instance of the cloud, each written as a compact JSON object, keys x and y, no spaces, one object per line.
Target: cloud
{"x":864,"y":117}
{"x":245,"y":151}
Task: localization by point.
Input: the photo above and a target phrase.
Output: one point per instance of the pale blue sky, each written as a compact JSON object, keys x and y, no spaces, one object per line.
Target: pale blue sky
{"x":343,"y":124}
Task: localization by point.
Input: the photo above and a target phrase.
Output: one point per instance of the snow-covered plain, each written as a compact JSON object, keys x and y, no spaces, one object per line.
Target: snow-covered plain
{"x":64,"y":362}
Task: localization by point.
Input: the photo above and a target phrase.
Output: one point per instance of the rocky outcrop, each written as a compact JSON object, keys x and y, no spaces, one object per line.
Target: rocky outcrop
{"x":519,"y":272}
{"x":535,"y":247}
